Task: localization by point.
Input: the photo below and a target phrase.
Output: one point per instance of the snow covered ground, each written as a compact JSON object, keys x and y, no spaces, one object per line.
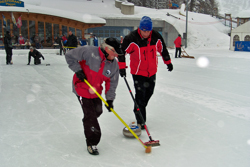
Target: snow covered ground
{"x":199,"y":113}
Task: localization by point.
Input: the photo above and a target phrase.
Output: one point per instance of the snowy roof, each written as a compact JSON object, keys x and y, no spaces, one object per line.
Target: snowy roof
{"x":81,"y":17}
{"x":244,"y":28}
{"x":243,"y":14}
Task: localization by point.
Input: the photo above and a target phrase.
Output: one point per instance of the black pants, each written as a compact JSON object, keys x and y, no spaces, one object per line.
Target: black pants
{"x":92,"y":109}
{"x":61,"y":49}
{"x":177,"y":50}
{"x":8,"y":55}
{"x":144,"y":89}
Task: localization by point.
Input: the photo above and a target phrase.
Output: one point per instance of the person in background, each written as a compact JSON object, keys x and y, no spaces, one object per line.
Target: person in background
{"x":142,"y":45}
{"x":95,"y":40}
{"x":121,"y":39}
{"x":83,"y":41}
{"x":37,"y":40}
{"x":36,"y":55}
{"x":96,"y":65}
{"x":8,"y":48}
{"x":64,"y":38}
{"x":27,"y":44}
{"x":21,"y":41}
{"x":60,"y":42}
{"x":72,"y":41}
{"x":178,"y":45}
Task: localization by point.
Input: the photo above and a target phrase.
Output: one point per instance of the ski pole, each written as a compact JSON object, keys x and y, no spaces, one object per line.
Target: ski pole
{"x":148,"y":148}
{"x":139,"y":113}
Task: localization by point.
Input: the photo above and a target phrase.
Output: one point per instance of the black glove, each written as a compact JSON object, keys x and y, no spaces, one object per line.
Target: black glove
{"x":170,"y":67}
{"x":110,"y":103}
{"x":123,"y":72}
{"x":43,"y":58}
{"x":80,"y":75}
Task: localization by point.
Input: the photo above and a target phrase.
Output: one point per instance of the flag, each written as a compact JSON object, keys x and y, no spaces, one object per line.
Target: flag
{"x":4,"y":21}
{"x":13,"y":19}
{"x":19,"y":22}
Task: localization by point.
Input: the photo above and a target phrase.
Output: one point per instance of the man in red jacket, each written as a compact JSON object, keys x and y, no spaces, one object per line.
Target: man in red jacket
{"x":142,"y":45}
{"x":178,"y":45}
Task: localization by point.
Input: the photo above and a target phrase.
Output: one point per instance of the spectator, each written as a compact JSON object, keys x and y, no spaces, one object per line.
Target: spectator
{"x":95,"y":40}
{"x":72,"y":41}
{"x":178,"y":45}
{"x":36,"y":55}
{"x":21,"y":41}
{"x":83,"y":42}
{"x":37,"y":40}
{"x":8,"y":48}
{"x":121,"y":39}
{"x":27,"y":44}
{"x":59,"y":41}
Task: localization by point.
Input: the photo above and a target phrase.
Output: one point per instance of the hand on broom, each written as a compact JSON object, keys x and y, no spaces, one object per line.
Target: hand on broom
{"x":110,"y":103}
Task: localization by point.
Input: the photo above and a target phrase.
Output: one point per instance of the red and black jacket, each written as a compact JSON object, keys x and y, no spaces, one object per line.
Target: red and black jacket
{"x":143,"y":53}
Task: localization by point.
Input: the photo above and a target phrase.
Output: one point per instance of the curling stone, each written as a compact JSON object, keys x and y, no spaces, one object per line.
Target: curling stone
{"x":136,"y":129}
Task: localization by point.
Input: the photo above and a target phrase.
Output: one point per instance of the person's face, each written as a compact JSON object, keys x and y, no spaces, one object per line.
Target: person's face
{"x":145,"y":34}
{"x":70,"y":32}
{"x":111,"y":53}
{"x":31,"y":50}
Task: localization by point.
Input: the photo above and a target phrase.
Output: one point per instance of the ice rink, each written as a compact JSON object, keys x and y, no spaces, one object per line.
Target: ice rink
{"x":200,"y":112}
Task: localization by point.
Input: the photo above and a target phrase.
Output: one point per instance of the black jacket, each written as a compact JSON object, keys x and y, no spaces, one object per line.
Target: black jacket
{"x":72,"y":41}
{"x":35,"y":54}
{"x":7,"y":42}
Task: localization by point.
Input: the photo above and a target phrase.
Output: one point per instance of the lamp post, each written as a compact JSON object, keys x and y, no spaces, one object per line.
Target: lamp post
{"x":186,"y":23}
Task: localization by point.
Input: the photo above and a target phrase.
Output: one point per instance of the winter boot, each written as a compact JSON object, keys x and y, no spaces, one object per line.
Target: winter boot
{"x":141,"y":126}
{"x":93,"y":150}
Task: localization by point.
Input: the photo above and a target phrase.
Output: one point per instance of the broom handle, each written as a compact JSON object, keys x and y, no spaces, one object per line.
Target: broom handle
{"x":138,"y":109}
{"x":104,"y":101}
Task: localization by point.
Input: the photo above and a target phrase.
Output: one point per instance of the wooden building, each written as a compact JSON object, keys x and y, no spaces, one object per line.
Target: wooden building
{"x":46,"y":22}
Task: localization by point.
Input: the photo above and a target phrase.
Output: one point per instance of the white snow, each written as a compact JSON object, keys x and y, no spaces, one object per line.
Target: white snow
{"x":200,"y":111}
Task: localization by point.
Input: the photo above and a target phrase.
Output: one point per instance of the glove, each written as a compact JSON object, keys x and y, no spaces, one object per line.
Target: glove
{"x":28,"y":64}
{"x":170,"y":67}
{"x":110,"y":103}
{"x":80,"y":75}
{"x":123,"y":72}
{"x":43,"y":58}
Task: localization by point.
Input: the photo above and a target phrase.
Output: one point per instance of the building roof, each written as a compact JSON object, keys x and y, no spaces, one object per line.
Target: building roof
{"x":81,"y":17}
{"x":242,"y":28}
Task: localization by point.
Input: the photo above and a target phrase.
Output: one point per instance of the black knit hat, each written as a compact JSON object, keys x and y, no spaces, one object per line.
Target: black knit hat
{"x":115,"y":44}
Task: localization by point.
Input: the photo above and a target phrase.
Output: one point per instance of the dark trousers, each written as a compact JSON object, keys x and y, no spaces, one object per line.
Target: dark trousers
{"x":8,"y":55}
{"x":144,"y":89}
{"x":37,"y":45}
{"x":177,"y":50}
{"x":92,"y":109}
{"x":60,"y":50}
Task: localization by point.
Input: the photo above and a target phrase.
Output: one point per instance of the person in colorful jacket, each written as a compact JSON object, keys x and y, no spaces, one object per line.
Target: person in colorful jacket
{"x":142,"y":45}
{"x":178,"y":45}
{"x":96,"y":65}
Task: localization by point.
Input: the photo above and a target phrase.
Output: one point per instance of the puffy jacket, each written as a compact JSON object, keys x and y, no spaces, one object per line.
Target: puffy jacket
{"x":72,"y":41}
{"x":97,"y":70}
{"x":143,"y":53}
{"x":177,"y":42}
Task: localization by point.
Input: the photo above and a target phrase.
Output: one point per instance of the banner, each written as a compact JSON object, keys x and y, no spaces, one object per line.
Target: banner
{"x":242,"y":46}
{"x":19,"y":22}
{"x":12,"y":3}
{"x":4,"y":21}
{"x":13,"y":19}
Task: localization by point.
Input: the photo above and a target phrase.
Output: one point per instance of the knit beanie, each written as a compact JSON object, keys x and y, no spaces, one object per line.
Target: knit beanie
{"x":146,"y":24}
